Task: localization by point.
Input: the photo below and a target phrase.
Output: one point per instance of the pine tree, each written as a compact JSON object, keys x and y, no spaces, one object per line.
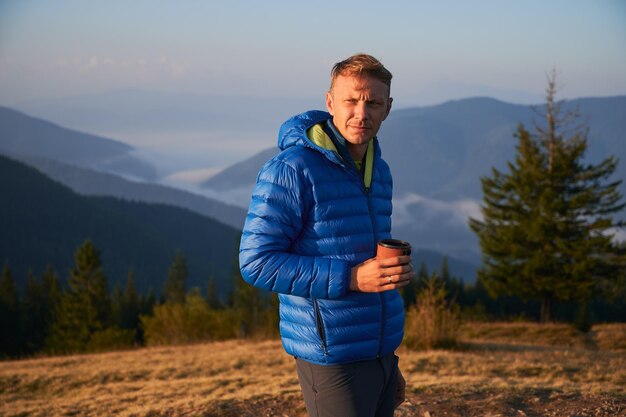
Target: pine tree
{"x":174,"y":286}
{"x":146,"y":305}
{"x":547,"y":221}
{"x":445,"y":272}
{"x":147,"y":302}
{"x":130,"y":304}
{"x":52,"y":291}
{"x":9,"y":314}
{"x":35,"y":313}
{"x":211,"y":295}
{"x":409,"y":292}
{"x":249,"y":303}
{"x":117,"y":306}
{"x":85,"y":308}
{"x":422,"y":276}
{"x":453,"y":286}
{"x":272,"y":313}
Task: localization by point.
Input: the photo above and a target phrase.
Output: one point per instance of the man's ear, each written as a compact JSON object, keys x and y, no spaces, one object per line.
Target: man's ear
{"x":329,"y":103}
{"x":389,"y":102}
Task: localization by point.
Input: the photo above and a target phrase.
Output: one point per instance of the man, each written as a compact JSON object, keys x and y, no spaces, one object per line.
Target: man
{"x":317,"y":212}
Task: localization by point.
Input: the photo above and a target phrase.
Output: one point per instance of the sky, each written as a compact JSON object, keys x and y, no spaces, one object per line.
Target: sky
{"x":437,"y":50}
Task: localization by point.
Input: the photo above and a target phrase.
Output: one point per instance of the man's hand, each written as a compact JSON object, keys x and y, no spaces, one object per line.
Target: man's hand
{"x":377,"y":275}
{"x":400,"y":390}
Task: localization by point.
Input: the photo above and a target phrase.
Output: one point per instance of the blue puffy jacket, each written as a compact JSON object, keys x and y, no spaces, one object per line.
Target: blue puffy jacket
{"x":309,"y":222}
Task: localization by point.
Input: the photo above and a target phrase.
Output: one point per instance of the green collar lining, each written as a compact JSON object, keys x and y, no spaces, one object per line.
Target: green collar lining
{"x":319,"y":137}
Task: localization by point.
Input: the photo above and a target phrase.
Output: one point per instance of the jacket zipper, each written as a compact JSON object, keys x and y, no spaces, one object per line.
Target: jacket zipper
{"x":318,"y":317}
{"x":380,"y":295}
{"x":320,"y":326}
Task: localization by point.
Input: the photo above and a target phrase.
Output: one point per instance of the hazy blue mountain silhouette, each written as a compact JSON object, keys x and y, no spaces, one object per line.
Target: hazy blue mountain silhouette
{"x":240,"y":174}
{"x":442,"y":151}
{"x":438,"y":154}
{"x":92,"y":165}
{"x":94,"y":183}
{"x":22,"y":135}
{"x":43,"y":222}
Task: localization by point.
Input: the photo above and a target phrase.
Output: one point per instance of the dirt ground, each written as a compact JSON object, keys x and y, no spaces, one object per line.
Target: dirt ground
{"x":509,"y":404}
{"x":439,"y":403}
{"x":501,"y":369}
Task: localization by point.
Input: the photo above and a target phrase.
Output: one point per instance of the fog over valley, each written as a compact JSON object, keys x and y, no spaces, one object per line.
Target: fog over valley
{"x":437,"y":154}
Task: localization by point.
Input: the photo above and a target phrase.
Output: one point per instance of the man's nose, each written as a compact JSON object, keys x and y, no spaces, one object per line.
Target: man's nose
{"x":360,"y":110}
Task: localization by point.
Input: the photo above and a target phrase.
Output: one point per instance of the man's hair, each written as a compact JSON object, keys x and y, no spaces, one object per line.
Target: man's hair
{"x":361,"y":65}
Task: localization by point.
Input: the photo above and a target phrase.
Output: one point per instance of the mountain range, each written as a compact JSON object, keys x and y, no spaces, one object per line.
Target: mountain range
{"x":29,"y":136}
{"x":96,"y":183}
{"x":43,"y":222}
{"x":437,"y":155}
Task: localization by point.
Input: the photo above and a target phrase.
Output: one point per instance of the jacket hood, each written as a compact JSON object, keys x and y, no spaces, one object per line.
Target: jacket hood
{"x":293,"y":131}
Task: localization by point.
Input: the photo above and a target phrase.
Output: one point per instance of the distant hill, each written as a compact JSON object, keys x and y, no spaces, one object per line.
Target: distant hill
{"x":240,"y":173}
{"x":92,"y":165}
{"x":438,"y":154}
{"x":93,"y":183}
{"x":28,"y":136}
{"x":441,"y":151}
{"x":44,"y":222}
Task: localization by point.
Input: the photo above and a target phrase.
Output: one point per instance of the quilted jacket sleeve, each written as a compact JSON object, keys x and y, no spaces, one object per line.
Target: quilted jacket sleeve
{"x":274,"y":222}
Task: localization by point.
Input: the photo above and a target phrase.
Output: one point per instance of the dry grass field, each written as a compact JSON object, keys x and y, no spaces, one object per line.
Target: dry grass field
{"x":499,"y":370}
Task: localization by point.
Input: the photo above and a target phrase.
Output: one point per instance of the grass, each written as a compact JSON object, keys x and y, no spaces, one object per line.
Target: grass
{"x":498,"y":363}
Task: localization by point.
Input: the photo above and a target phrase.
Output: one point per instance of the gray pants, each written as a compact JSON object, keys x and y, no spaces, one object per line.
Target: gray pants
{"x":359,"y":389}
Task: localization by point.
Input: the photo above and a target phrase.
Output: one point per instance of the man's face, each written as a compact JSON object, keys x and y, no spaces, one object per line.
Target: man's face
{"x":358,"y":106}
